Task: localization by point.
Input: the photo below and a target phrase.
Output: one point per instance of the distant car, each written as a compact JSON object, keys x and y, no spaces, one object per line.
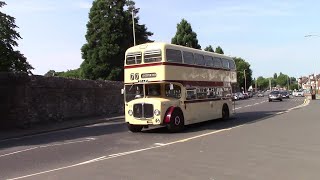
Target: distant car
{"x":299,"y":93}
{"x":246,"y":95}
{"x":275,"y":95}
{"x":285,"y":94}
{"x":240,"y":95}
{"x":235,"y":97}
{"x":260,"y":94}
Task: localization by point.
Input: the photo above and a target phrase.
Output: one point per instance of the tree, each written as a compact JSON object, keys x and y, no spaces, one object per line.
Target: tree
{"x":209,"y":48}
{"x":219,"y":50}
{"x":263,"y":83}
{"x":75,"y":73}
{"x":50,"y":73}
{"x":185,"y":35}
{"x":282,"y":80}
{"x":109,"y":35}
{"x":275,"y":76}
{"x":294,"y":86}
{"x":11,"y":60}
{"x":241,"y":66}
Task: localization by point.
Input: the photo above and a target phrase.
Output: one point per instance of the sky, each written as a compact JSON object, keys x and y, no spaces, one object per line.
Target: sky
{"x":270,"y":35}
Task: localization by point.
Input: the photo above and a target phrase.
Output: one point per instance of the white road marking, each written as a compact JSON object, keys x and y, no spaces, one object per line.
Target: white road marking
{"x":248,"y":105}
{"x":43,"y":172}
{"x":48,"y":145}
{"x":103,"y":124}
{"x":71,"y":142}
{"x":135,"y":151}
{"x":16,"y":152}
{"x":159,"y":144}
{"x":124,"y":153}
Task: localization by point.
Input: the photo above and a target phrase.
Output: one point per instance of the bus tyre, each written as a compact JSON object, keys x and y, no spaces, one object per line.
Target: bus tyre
{"x":225,"y":112}
{"x":176,"y":121}
{"x":134,"y":128}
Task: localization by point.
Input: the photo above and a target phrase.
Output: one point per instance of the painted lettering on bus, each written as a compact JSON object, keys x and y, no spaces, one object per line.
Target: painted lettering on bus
{"x":148,"y":75}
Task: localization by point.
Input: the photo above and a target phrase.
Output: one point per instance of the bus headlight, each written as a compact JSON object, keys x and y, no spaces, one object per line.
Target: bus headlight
{"x":156,"y":112}
{"x":130,"y":112}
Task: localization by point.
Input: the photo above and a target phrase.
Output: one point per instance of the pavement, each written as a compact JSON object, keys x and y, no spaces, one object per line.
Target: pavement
{"x":265,"y":140}
{"x":53,"y":126}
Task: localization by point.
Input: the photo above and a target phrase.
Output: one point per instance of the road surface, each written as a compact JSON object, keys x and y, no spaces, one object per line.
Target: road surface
{"x":265,"y":140}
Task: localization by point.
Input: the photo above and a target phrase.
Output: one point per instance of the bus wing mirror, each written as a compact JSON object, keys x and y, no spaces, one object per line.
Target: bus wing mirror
{"x":122,"y":91}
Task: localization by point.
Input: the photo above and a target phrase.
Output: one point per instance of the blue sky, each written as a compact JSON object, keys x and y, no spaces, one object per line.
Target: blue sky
{"x":268,"y":34}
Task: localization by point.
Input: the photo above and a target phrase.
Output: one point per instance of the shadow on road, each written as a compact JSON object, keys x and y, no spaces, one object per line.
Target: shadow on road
{"x":239,"y":119}
{"x":65,"y":135}
{"x":108,"y":129}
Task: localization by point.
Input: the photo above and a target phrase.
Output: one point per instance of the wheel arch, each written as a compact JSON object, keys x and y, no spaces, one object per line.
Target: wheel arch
{"x":169,"y":112}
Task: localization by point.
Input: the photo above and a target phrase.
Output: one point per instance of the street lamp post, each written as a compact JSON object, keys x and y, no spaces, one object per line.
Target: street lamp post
{"x":133,"y":28}
{"x":245,"y":81}
{"x":315,"y":76}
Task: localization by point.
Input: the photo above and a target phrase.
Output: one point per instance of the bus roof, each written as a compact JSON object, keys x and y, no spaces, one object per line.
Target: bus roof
{"x":163,"y":45}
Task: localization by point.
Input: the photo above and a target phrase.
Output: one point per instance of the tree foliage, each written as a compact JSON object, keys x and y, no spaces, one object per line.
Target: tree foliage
{"x":219,"y":50}
{"x":11,"y":60}
{"x":241,"y":66}
{"x":275,"y":76}
{"x":185,"y":35}
{"x":68,"y":74}
{"x":282,"y":80}
{"x":109,"y":35}
{"x":209,"y":48}
{"x":262,"y":83}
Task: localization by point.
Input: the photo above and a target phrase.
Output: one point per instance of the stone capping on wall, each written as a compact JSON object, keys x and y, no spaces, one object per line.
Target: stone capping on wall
{"x":29,"y":99}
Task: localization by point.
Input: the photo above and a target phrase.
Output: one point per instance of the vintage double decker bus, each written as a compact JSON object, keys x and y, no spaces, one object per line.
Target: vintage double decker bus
{"x":173,"y":86}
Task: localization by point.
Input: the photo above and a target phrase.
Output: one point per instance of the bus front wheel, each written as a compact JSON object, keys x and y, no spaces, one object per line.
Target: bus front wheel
{"x":134,"y":128}
{"x":176,"y":121}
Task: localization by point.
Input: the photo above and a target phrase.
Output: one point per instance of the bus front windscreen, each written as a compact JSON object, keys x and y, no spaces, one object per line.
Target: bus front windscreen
{"x":133,"y":92}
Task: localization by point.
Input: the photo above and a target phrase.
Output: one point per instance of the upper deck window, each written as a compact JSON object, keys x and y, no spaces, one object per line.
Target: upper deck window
{"x":209,"y":61}
{"x":199,"y":59}
{"x":174,"y":55}
{"x":188,"y":57}
{"x":232,"y":65}
{"x":217,"y":62}
{"x":152,"y":56}
{"x":225,"y":63}
{"x":133,"y":58}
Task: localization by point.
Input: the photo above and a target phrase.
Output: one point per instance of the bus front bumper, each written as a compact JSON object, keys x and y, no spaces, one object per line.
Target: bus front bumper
{"x":140,"y":121}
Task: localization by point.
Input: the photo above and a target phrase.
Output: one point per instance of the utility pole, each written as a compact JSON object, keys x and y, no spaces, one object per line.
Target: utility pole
{"x":256,"y":84}
{"x":270,"y":83}
{"x":245,"y":81}
{"x":133,"y":29}
{"x":288,"y":79}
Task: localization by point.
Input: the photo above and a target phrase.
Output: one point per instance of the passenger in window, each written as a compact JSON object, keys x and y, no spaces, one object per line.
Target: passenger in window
{"x":154,"y":91}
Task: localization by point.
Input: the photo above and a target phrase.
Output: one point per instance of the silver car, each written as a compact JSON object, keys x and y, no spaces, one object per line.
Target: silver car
{"x":275,"y":95}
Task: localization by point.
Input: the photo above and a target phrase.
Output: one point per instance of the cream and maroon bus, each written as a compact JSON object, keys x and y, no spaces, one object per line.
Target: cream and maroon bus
{"x":173,"y":86}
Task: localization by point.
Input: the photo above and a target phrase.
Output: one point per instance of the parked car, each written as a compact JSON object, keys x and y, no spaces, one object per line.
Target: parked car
{"x":299,"y":93}
{"x":240,"y":95}
{"x":285,"y":94}
{"x":246,"y":95}
{"x":260,"y":94}
{"x":235,"y":97}
{"x":275,"y":95}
